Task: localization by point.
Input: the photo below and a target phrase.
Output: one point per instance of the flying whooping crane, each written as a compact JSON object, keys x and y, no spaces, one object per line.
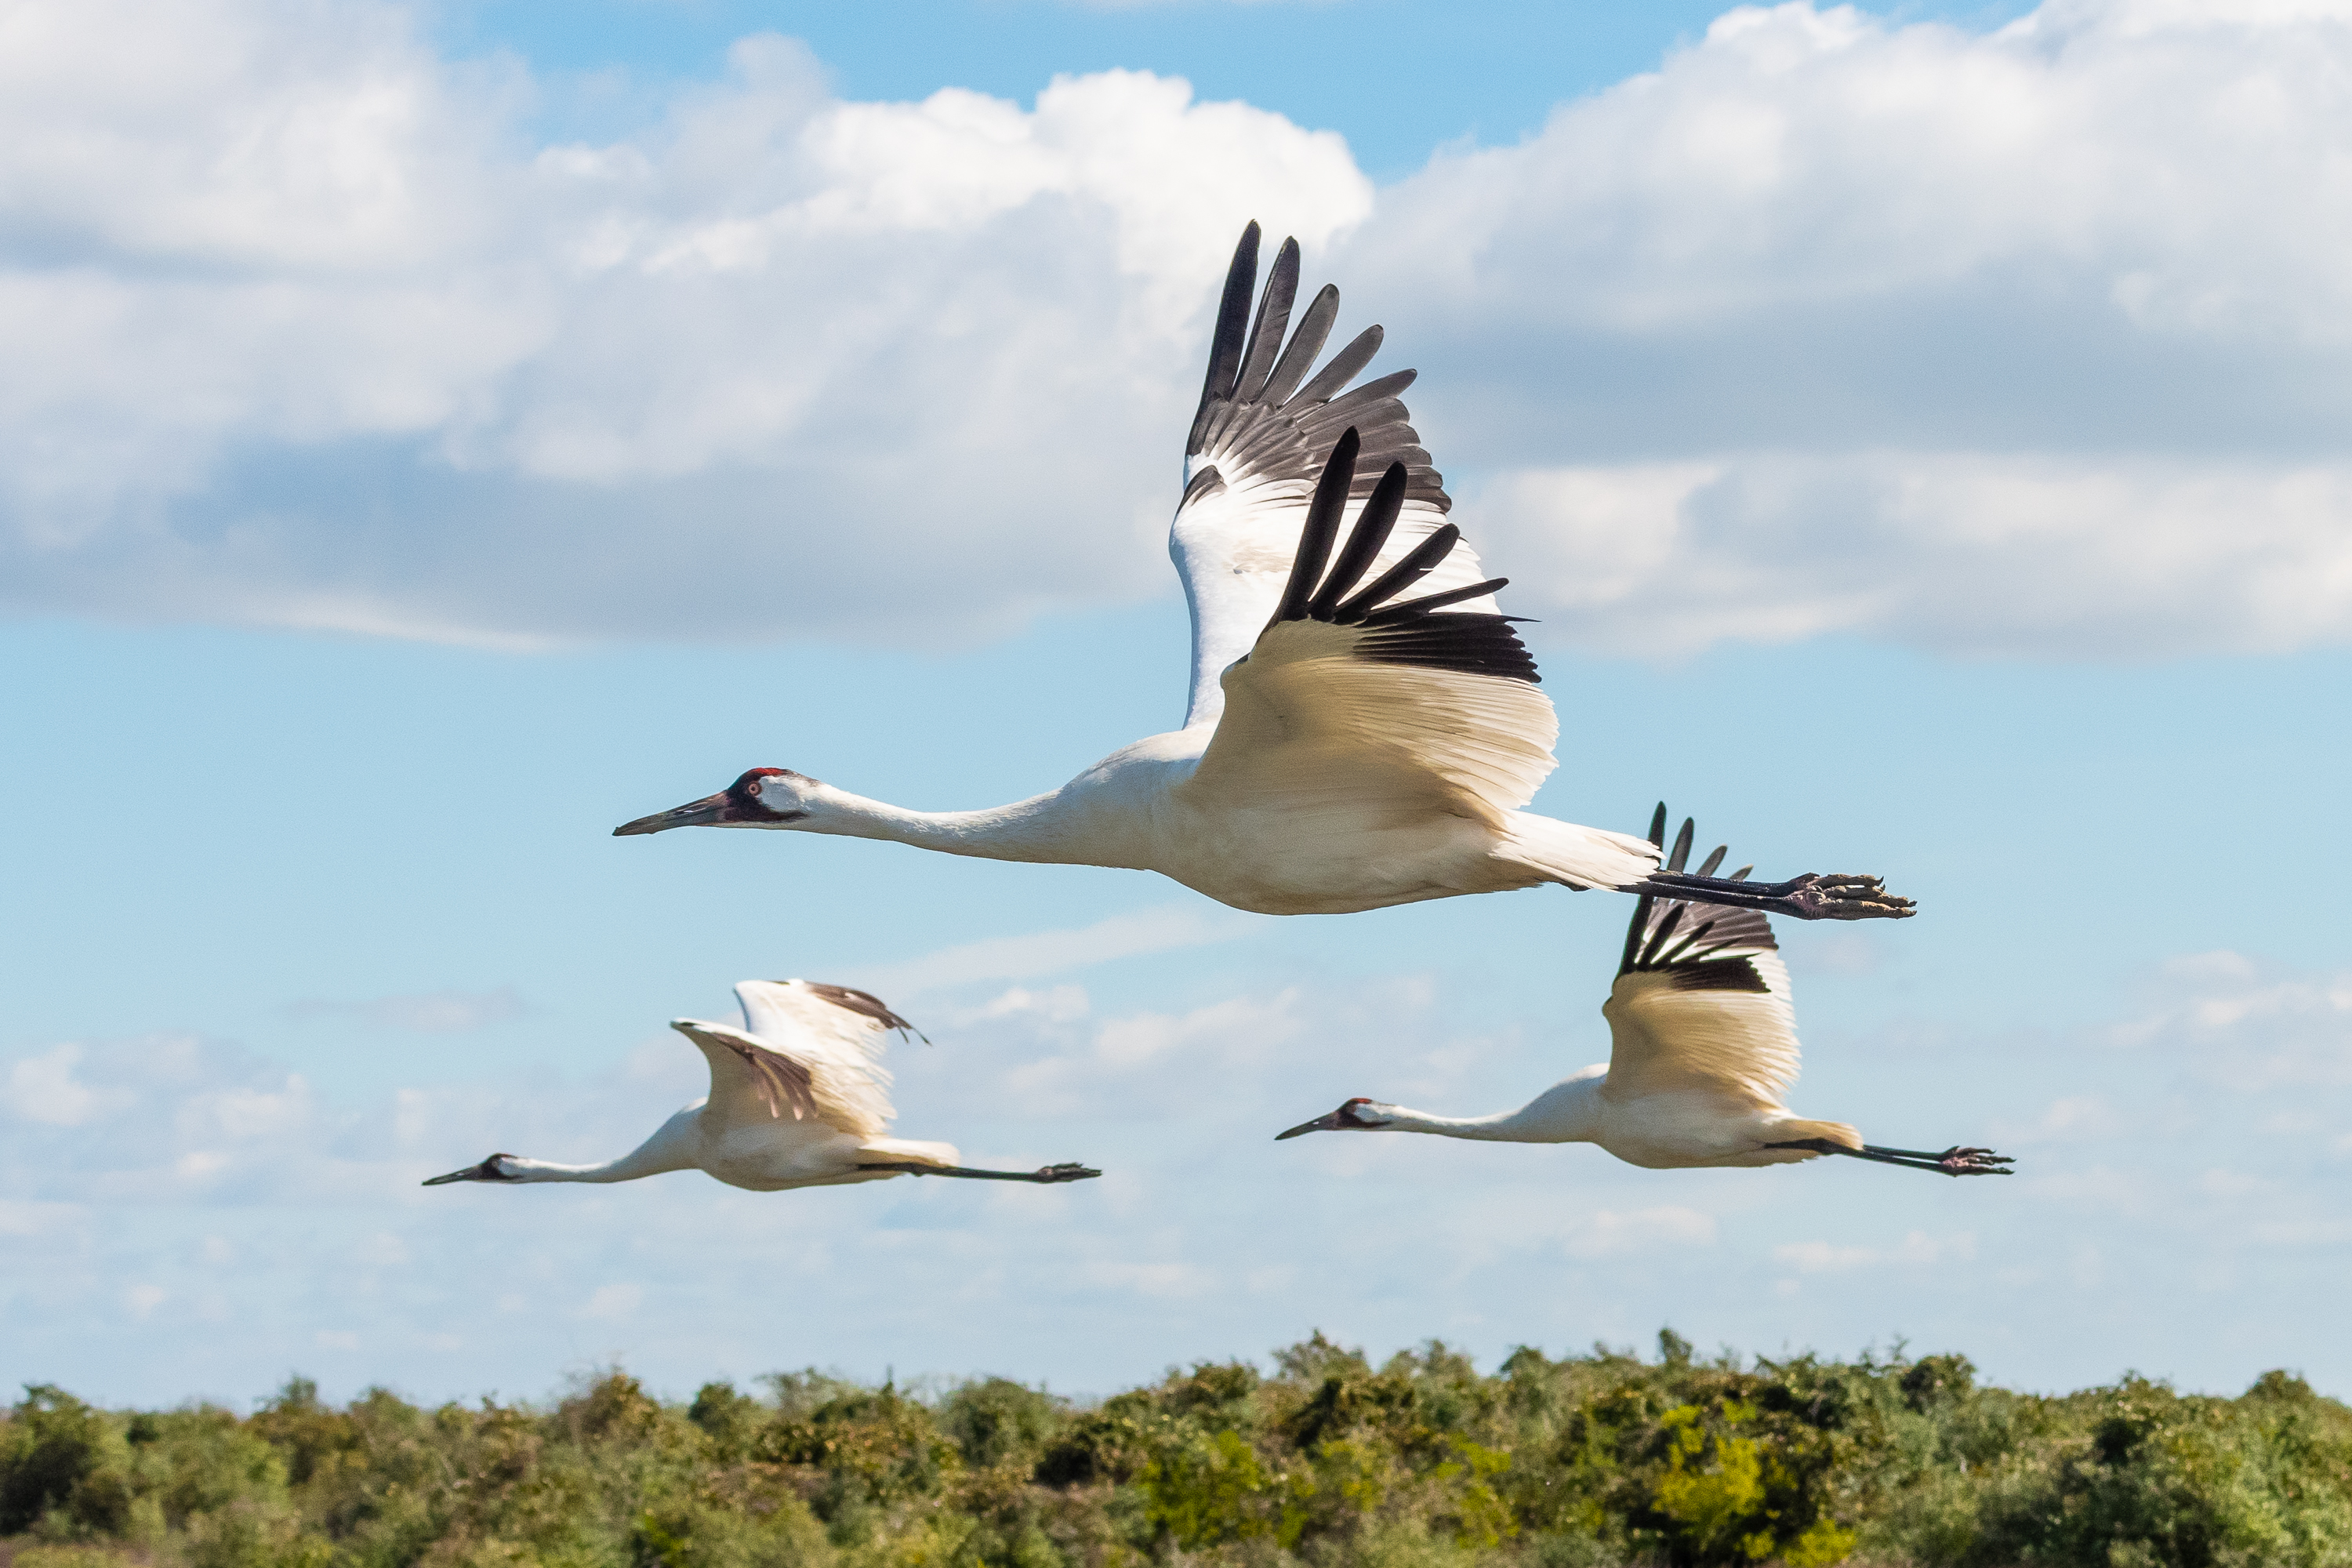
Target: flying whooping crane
{"x":1703,"y":1046}
{"x":798,"y":1099}
{"x":1348,"y":746}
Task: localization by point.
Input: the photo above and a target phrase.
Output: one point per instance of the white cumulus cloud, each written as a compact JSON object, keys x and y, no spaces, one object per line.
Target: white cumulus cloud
{"x":2025,"y":342}
{"x":2022,"y":343}
{"x":305,"y":334}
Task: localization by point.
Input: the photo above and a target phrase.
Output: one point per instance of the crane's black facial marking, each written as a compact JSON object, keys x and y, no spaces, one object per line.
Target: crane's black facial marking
{"x":488,"y":1171}
{"x":1346,"y":1119}
{"x":744,"y":802}
{"x":763,"y":798}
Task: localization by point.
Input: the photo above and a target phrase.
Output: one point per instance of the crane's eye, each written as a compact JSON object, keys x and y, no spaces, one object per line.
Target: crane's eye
{"x":756,"y":786}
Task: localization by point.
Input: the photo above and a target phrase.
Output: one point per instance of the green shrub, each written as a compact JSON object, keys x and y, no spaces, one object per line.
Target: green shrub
{"x":63,"y":1465}
{"x":993,"y":1422}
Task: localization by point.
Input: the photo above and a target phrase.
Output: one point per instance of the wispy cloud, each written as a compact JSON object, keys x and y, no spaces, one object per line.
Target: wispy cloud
{"x":2245,"y":1026}
{"x":1044,"y":952}
{"x":45,"y":1089}
{"x":218,"y":1182}
{"x":1607,"y":1234}
{"x":427,"y":1012}
{"x":1916,"y":1250}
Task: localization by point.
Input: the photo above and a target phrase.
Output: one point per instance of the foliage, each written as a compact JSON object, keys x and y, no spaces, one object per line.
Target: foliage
{"x":1420,"y":1462}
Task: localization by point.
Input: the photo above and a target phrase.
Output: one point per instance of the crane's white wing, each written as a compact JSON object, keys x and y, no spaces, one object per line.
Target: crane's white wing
{"x":1261,"y":436}
{"x":1701,"y":1000}
{"x":806,"y":1050}
{"x":845,"y":1020}
{"x":1364,"y":698}
{"x":749,"y":1082}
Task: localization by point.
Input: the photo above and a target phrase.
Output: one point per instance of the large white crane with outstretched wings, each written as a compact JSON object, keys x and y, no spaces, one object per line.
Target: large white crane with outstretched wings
{"x":1365,"y":728}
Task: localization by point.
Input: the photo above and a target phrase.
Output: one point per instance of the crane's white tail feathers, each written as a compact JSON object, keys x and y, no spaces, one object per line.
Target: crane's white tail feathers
{"x":1579,"y":856}
{"x":912,"y":1151}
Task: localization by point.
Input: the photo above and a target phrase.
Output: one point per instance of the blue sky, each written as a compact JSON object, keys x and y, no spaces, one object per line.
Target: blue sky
{"x":1396,"y":78}
{"x":453,"y":432}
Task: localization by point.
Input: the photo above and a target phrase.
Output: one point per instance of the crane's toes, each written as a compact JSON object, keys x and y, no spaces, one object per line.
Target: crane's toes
{"x":1844,"y":896}
{"x":1072,"y":1171}
{"x":1959,"y":1162}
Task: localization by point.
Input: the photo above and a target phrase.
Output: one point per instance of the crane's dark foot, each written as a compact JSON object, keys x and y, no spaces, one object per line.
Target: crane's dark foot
{"x":1069,"y":1173}
{"x":1958,"y":1162}
{"x":1953,"y":1162}
{"x":1808,"y":898}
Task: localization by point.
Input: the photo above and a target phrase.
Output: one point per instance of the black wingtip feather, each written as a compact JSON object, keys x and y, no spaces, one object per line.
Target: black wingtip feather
{"x":1423,"y":606}
{"x":1413,"y":633}
{"x":1256,"y":418}
{"x":1642,"y":908}
{"x":1710,"y":957}
{"x":1342,"y":368}
{"x":1665,"y":928}
{"x":1371,"y":531}
{"x":1735,"y":973}
{"x":1419,"y":562}
{"x":1225,"y":348}
{"x":1273,"y":321}
{"x":1322,"y":528}
{"x":1314,"y":332}
{"x":1348,"y":404}
{"x":1681,"y":857}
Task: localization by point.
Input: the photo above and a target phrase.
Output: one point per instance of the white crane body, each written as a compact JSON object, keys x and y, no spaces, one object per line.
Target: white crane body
{"x":1137,"y":809}
{"x":1703,"y":1051}
{"x":1674,"y":1131}
{"x":798,"y":1099}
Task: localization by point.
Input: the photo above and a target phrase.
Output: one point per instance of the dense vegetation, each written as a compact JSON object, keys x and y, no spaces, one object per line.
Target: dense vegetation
{"x":1601,"y":1458}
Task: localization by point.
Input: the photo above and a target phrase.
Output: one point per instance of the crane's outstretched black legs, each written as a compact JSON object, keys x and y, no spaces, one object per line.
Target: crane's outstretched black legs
{"x":1953,"y":1162}
{"x":1047,"y":1174}
{"x":1808,"y":898}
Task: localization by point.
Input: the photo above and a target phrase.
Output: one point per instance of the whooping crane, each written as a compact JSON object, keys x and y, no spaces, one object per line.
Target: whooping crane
{"x":798,"y":1099}
{"x":1347,"y":747}
{"x":1703,"y":1046}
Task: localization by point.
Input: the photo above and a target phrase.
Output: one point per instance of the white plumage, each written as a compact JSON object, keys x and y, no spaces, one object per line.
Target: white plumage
{"x":1355,"y":740}
{"x":1702,"y":1054}
{"x":799,"y":1097}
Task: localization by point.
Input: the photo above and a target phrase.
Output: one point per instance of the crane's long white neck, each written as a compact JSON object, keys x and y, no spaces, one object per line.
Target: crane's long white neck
{"x":1042,"y":827}
{"x":671,"y":1149}
{"x":1567,"y":1112}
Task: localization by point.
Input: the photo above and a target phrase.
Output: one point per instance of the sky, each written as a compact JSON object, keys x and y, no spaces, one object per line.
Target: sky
{"x":435,"y":434}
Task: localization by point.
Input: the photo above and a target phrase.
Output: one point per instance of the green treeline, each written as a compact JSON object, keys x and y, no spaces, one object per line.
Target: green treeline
{"x":1601,"y":1458}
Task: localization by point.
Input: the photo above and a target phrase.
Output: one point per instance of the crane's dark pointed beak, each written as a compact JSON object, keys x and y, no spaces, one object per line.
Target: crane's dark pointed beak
{"x":701,"y":812}
{"x":487,"y":1171}
{"x":1330,"y":1123}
